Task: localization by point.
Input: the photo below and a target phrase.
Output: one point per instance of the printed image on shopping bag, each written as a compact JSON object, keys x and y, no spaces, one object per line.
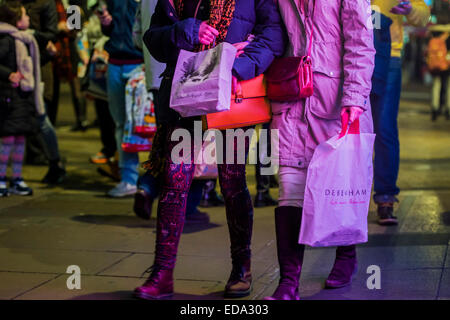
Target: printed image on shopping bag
{"x":202,"y":81}
{"x":197,"y":70}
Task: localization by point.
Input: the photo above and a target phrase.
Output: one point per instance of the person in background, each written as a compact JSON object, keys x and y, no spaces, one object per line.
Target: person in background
{"x":210,"y":197}
{"x":382,"y":44}
{"x":440,"y":92}
{"x":148,"y":185}
{"x":117,"y":19}
{"x":43,"y":25}
{"x":263,"y":182}
{"x":20,"y":93}
{"x":387,"y":145}
{"x":439,"y":65}
{"x":65,"y":68}
{"x":94,"y":71}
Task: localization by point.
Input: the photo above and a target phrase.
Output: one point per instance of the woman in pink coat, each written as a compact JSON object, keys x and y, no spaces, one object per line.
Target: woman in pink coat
{"x":343,"y":61}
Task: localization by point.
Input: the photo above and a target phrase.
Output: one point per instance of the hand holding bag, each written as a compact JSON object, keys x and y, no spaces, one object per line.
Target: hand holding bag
{"x":338,"y":188}
{"x":291,"y":78}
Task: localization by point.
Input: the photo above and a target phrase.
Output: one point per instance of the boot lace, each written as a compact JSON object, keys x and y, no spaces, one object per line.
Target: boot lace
{"x":152,"y":271}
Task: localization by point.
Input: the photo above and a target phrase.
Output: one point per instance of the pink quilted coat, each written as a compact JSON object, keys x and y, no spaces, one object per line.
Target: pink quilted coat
{"x":343,"y":62}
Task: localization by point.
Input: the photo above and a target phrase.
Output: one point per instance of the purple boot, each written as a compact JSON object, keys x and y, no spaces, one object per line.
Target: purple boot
{"x":290,"y":252}
{"x":170,"y":222}
{"x":345,"y":266}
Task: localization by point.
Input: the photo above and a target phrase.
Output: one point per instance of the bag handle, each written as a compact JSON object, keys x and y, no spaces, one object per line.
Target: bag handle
{"x":354,"y":126}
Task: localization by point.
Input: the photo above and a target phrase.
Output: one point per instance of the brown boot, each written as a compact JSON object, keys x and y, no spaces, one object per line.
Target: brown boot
{"x":240,"y":282}
{"x":385,"y":213}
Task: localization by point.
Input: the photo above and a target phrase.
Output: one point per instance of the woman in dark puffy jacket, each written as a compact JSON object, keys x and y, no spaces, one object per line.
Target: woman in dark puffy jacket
{"x":188,"y":24}
{"x":19,"y":92}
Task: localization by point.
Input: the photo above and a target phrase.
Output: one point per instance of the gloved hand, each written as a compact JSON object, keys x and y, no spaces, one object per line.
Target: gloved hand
{"x":403,"y":8}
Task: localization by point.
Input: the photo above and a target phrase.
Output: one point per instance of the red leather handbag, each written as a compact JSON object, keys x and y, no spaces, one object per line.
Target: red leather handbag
{"x":250,"y":106}
{"x":291,"y":78}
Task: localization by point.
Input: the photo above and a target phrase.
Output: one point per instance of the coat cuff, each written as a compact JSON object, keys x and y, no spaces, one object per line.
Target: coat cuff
{"x":196,"y":31}
{"x":187,"y":33}
{"x":354,"y":99}
{"x":242,"y":70}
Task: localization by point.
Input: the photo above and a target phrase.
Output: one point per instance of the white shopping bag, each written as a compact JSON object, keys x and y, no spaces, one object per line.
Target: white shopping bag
{"x":202,"y":81}
{"x":338,"y":188}
{"x":135,"y":98}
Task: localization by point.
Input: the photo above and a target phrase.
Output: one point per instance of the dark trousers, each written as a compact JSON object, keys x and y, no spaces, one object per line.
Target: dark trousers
{"x":387,"y":145}
{"x":263,"y":181}
{"x":78,"y":100}
{"x":107,"y":127}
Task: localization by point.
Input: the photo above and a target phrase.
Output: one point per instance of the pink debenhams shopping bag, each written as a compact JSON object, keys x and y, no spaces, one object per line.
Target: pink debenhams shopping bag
{"x":338,"y":188}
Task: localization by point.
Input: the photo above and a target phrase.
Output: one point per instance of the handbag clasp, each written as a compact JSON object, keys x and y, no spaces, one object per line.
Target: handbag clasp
{"x":239,"y":94}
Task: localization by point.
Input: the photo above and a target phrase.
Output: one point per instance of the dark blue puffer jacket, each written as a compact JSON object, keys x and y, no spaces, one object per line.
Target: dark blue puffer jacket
{"x":120,"y":44}
{"x":168,"y":34}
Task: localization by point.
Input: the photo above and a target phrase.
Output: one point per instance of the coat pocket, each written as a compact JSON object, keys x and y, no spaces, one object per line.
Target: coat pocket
{"x":326,"y":101}
{"x":280,"y":107}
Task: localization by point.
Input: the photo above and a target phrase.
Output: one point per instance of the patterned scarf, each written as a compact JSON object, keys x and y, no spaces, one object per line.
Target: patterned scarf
{"x":220,"y":16}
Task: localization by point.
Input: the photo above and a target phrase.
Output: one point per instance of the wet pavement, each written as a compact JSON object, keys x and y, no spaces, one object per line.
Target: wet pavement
{"x":75,"y":224}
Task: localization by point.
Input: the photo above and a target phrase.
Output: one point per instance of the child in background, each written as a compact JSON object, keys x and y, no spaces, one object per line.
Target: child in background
{"x":20,"y":92}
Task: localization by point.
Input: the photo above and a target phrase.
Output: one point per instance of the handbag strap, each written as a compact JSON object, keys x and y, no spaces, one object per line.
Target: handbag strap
{"x":311,"y":37}
{"x":300,"y":12}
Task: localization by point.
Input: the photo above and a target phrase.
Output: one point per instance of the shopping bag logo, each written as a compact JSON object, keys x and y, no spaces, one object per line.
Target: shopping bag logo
{"x":349,"y":196}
